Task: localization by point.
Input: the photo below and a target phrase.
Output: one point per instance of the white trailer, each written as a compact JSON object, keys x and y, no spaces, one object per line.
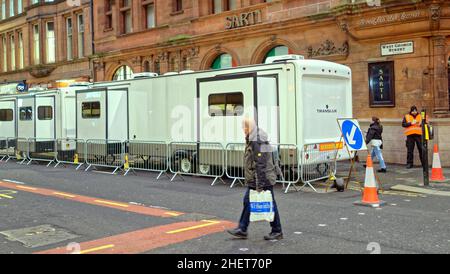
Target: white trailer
{"x":8,"y":117}
{"x":295,"y":101}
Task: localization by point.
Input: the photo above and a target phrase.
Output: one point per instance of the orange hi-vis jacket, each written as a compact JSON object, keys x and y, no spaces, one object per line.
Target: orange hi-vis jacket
{"x":416,"y":128}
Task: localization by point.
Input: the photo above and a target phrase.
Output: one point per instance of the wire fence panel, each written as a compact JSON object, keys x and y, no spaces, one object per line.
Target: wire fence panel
{"x":235,"y":163}
{"x":318,"y":162}
{"x":199,"y":159}
{"x":4,"y":149}
{"x":146,"y":156}
{"x":286,"y":162}
{"x":105,"y":153}
{"x":41,"y":150}
{"x":19,"y":149}
{"x":71,"y":151}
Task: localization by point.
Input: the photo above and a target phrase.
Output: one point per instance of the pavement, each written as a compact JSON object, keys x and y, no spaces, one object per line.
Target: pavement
{"x":61,"y":210}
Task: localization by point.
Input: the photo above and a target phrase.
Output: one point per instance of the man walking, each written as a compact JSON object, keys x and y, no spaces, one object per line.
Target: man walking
{"x":260,"y":175}
{"x":412,"y":122}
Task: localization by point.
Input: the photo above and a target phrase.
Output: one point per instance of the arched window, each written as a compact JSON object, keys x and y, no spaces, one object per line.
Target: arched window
{"x":224,"y":61}
{"x":123,"y":73}
{"x":277,"y":51}
{"x":146,"y":66}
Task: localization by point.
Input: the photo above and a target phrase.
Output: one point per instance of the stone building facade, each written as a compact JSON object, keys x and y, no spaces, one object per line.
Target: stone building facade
{"x":398,"y":50}
{"x":42,"y":41}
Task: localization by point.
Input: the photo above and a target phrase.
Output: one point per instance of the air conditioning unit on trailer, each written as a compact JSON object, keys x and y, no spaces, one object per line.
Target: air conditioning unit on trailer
{"x":144,"y":75}
{"x":284,"y":58}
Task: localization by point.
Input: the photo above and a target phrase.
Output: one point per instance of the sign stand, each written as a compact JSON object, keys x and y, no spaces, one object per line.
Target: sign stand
{"x":352,"y":137}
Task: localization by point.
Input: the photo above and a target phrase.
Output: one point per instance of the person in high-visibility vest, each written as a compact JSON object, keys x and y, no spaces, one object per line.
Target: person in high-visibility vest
{"x":412,"y":122}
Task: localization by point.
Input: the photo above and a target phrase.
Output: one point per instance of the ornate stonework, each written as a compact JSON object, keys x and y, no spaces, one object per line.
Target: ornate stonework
{"x":42,"y":71}
{"x":328,"y":48}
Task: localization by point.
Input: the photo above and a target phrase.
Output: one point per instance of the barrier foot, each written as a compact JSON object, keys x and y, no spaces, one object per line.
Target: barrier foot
{"x":29,"y":162}
{"x":234,"y":182}
{"x":89,"y":166}
{"x":79,"y":166}
{"x":161,"y":173}
{"x":174,"y":176}
{"x":7,"y":160}
{"x":115,"y":170}
{"x":217,"y":179}
{"x":126,"y":172}
{"x":305,"y":185}
{"x":50,"y":163}
{"x":57,"y":164}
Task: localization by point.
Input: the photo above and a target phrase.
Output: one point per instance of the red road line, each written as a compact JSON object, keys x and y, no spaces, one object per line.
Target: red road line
{"x":147,"y":239}
{"x":93,"y":201}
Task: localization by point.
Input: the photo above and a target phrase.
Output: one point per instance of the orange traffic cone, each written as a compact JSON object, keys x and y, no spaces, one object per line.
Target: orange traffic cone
{"x":370,"y":194}
{"x":436,"y":172}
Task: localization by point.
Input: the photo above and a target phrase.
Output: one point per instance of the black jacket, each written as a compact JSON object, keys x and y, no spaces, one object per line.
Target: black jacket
{"x":374,"y":133}
{"x":259,"y":167}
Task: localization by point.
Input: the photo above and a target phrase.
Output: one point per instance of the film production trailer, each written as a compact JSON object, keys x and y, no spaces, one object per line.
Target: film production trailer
{"x":43,"y":117}
{"x":7,"y":125}
{"x":296,"y":101}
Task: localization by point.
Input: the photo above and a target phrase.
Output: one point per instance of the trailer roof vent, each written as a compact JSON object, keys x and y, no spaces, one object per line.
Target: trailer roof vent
{"x":144,"y":75}
{"x":170,"y":73}
{"x":186,"y":71}
{"x":283,"y":58}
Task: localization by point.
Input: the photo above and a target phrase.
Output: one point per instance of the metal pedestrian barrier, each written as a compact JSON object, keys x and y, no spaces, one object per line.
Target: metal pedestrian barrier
{"x":235,"y":163}
{"x":41,"y":150}
{"x":4,"y":148}
{"x":286,"y":162}
{"x":146,"y":156}
{"x":197,"y":159}
{"x":318,"y":162}
{"x":71,"y":151}
{"x":20,"y":152}
{"x":105,"y":153}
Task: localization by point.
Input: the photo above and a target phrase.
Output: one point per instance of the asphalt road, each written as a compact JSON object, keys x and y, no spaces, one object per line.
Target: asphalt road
{"x":312,"y":223}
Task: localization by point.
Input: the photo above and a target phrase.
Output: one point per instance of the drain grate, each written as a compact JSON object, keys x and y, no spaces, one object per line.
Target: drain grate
{"x":38,"y":236}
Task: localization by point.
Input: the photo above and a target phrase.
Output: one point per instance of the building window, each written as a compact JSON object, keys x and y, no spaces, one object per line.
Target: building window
{"x":50,"y":46}
{"x":5,"y":54}
{"x":45,"y":113}
{"x":69,"y":38}
{"x":149,"y":10}
{"x":157,"y":67}
{"x":21,"y":51}
{"x":12,"y":46}
{"x":177,"y":5}
{"x":90,"y":110}
{"x":26,"y":113}
{"x":6,"y":115}
{"x":123,"y":73}
{"x":108,"y":14}
{"x":19,"y":6}
{"x":277,"y":51}
{"x":36,"y":46}
{"x":80,"y":35}
{"x":126,"y":19}
{"x":3,"y":11}
{"x":382,"y":84}
{"x":224,"y":61}
{"x":11,"y":8}
{"x":226,"y":104}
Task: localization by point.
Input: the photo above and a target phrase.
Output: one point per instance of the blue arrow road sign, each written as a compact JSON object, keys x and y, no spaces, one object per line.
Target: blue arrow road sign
{"x":352,"y":135}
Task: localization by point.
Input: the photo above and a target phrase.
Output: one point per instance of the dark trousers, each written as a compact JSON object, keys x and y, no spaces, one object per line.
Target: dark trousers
{"x":245,"y":216}
{"x":411,"y":141}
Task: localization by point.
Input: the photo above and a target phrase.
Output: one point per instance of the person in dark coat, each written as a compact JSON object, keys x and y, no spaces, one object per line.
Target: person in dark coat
{"x":260,"y":174}
{"x":375,"y":139}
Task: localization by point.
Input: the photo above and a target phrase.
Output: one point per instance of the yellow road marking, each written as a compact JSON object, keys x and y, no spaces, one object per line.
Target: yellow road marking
{"x":111,"y":203}
{"x":25,"y":187}
{"x":5,"y":196}
{"x":96,"y":249}
{"x":64,"y":194}
{"x":209,"y":223}
{"x":173,"y":214}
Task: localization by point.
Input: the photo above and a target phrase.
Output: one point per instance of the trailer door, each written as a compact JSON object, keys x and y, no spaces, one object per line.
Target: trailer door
{"x":8,"y":119}
{"x":224,"y":101}
{"x":25,"y":124}
{"x":268,"y":111}
{"x":45,"y":117}
{"x":117,"y":114}
{"x":91,"y":114}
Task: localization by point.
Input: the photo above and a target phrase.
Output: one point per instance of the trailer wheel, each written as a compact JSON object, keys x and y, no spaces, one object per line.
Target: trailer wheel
{"x":204,"y":169}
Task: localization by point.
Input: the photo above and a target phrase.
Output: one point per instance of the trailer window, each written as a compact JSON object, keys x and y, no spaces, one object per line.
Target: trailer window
{"x":91,"y":110}
{"x":226,"y":104}
{"x":45,"y":113}
{"x":26,"y":113}
{"x":6,"y":115}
